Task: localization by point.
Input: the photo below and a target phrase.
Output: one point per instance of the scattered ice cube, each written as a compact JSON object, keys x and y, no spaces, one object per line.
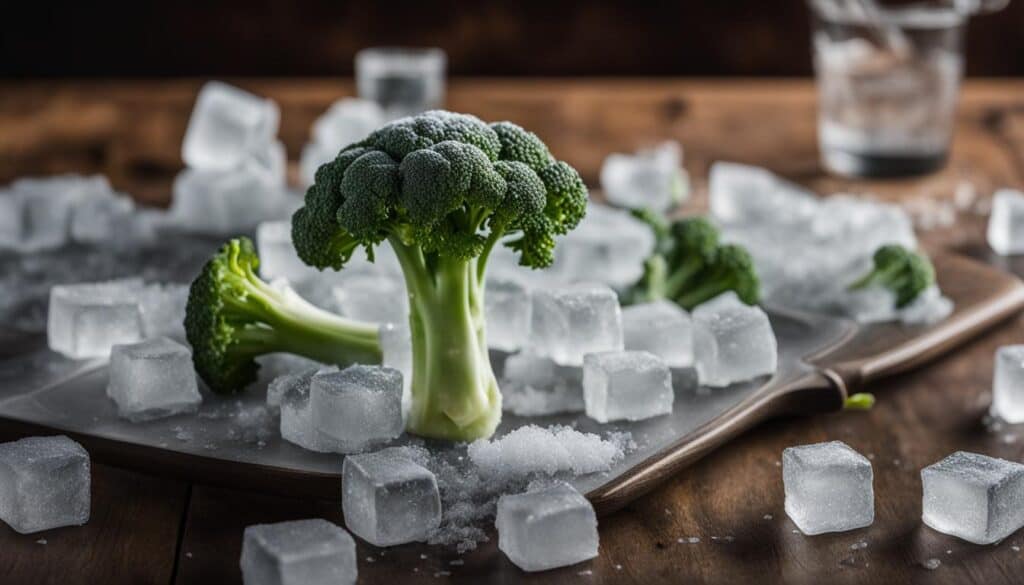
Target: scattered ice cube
{"x":974,"y":497}
{"x":609,"y":245}
{"x":1006,"y":223}
{"x":297,"y":417}
{"x":732,"y":342}
{"x":535,"y":386}
{"x":553,"y":450}
{"x":152,"y":379}
{"x":662,"y":328}
{"x":626,"y":385}
{"x":396,"y":347}
{"x":359,"y":406}
{"x":570,"y":321}
{"x":389,"y":499}
{"x":547,"y":528}
{"x":508,"y":309}
{"x":306,"y":552}
{"x":225,"y":202}
{"x":86,"y":320}
{"x":828,"y":487}
{"x":103,"y":217}
{"x":348,"y":120}
{"x":874,"y":304}
{"x":740,"y":193}
{"x":44,"y":483}
{"x":1008,"y":384}
{"x":373,"y":298}
{"x":163,"y":310}
{"x":226,"y":126}
{"x":652,"y":178}
{"x":928,"y":308}
{"x":278,"y":258}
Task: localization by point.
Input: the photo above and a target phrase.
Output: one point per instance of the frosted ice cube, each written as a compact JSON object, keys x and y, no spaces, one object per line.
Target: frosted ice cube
{"x":732,"y":343}
{"x":508,"y":309}
{"x":152,"y":379}
{"x":875,"y":304}
{"x":1008,"y":384}
{"x":662,"y":328}
{"x":974,"y":497}
{"x":278,"y":258}
{"x":570,"y":321}
{"x":555,"y":450}
{"x":373,"y":298}
{"x":651,"y":178}
{"x":105,"y":217}
{"x":10,"y":220}
{"x":828,"y":487}
{"x":45,"y":220}
{"x":86,"y":320}
{"x":348,"y":120}
{"x":163,"y":310}
{"x":535,"y":386}
{"x":281,"y":385}
{"x":270,"y":162}
{"x":1006,"y":224}
{"x":44,"y":483}
{"x":297,"y":417}
{"x":389,"y":499}
{"x":928,"y":308}
{"x":300,"y":552}
{"x":226,"y":126}
{"x":608,"y":246}
{"x":359,"y":406}
{"x":547,"y":528}
{"x":742,"y":193}
{"x":626,"y":385}
{"x":396,"y":347}
{"x":225,"y":202}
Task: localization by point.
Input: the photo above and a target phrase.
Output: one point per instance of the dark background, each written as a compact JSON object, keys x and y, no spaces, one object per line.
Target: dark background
{"x":488,"y":38}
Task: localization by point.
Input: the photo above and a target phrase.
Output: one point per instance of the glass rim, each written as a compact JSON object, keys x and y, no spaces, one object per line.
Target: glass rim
{"x":420,"y":54}
{"x":917,"y":16}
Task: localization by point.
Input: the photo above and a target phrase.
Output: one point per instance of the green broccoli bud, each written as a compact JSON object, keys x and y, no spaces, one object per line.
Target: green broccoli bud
{"x":904,"y":272}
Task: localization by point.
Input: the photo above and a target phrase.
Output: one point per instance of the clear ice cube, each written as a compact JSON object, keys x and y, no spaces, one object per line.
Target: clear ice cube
{"x":652,"y":178}
{"x":828,"y":488}
{"x":396,"y":347}
{"x":373,"y":298}
{"x":547,"y":528}
{"x":348,"y":120}
{"x":44,"y":483}
{"x":163,"y":310}
{"x":532,"y":385}
{"x":105,"y":217}
{"x":297,"y":416}
{"x":278,"y":258}
{"x":226,"y":126}
{"x":626,"y":385}
{"x":300,"y":552}
{"x":389,"y":499}
{"x":1006,"y":223}
{"x":358,"y":407}
{"x":740,"y":193}
{"x":732,"y":342}
{"x":609,"y":245}
{"x":570,"y":321}
{"x":153,"y":379}
{"x":508,"y":309}
{"x":974,"y":497}
{"x":86,"y":320}
{"x":225,"y":202}
{"x":662,"y":328}
{"x":1008,"y":384}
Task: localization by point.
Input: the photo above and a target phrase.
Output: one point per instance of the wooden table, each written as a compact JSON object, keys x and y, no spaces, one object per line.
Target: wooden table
{"x":155,"y":530}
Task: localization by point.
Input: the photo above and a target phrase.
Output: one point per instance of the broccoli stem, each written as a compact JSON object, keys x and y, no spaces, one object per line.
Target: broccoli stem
{"x":678,"y":280}
{"x":700,"y":294}
{"x":455,"y":395}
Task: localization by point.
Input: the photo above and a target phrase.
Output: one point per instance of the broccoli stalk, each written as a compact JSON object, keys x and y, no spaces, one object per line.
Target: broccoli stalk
{"x":443,"y":189}
{"x":904,"y":272}
{"x":232,"y":317}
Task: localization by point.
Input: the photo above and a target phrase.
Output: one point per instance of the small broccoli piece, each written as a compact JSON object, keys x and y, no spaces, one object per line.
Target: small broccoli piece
{"x":695,"y":246}
{"x":904,"y":272}
{"x":233,"y":317}
{"x":732,"y":269}
{"x":443,"y":189}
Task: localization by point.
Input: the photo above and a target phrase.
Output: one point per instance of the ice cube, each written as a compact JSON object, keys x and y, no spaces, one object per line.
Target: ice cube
{"x":626,"y":385}
{"x":44,"y":219}
{"x":278,"y":258}
{"x":389,"y":499}
{"x":359,"y":406}
{"x":974,"y":497}
{"x":732,"y":342}
{"x":828,"y":487}
{"x":741,"y":193}
{"x":225,"y":202}
{"x":570,"y":321}
{"x":874,"y":304}
{"x":226,"y":126}
{"x":348,"y":120}
{"x":163,"y":310}
{"x":86,"y":320}
{"x":1008,"y":384}
{"x":373,"y":298}
{"x":662,"y":328}
{"x":152,"y":379}
{"x":10,"y":220}
{"x":928,"y":308}
{"x":297,"y":418}
{"x":508,"y":308}
{"x":312,"y":157}
{"x":535,"y":386}
{"x":555,"y":450}
{"x":270,"y":162}
{"x":608,"y":246}
{"x":652,"y":178}
{"x":44,"y":483}
{"x":1006,"y":224}
{"x":105,"y":217}
{"x":300,"y":552}
{"x":396,"y":347}
{"x":547,"y":528}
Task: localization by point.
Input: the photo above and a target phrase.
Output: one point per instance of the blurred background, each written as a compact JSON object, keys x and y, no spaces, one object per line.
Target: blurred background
{"x":487,"y":38}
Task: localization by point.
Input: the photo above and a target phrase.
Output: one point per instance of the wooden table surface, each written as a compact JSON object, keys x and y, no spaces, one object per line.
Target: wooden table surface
{"x":147,"y":529}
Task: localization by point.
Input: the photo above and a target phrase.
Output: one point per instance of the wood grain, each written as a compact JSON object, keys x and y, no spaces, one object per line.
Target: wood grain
{"x":132,"y":131}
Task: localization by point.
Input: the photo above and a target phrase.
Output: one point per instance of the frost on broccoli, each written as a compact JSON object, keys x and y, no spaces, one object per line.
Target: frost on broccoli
{"x":443,"y":189}
{"x":904,"y":272}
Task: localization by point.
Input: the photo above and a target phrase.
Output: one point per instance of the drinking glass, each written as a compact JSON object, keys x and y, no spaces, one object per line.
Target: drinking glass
{"x":403,"y":80}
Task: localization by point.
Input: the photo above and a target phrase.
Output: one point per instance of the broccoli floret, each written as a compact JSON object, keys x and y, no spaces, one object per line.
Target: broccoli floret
{"x":443,"y":189}
{"x":233,"y":317}
{"x":904,"y":272}
{"x":731,"y":269}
